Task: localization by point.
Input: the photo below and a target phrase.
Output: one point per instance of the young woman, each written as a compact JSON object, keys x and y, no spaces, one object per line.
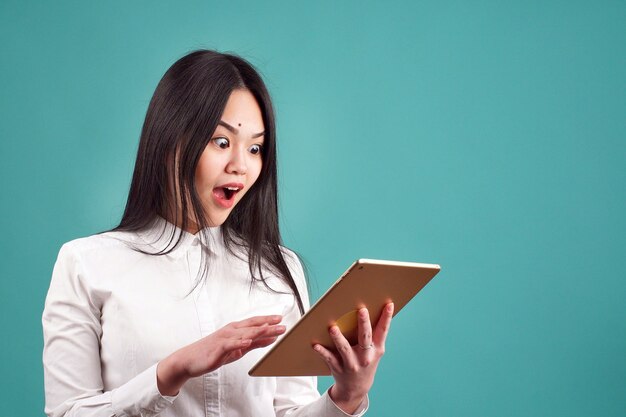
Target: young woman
{"x":165,"y":314}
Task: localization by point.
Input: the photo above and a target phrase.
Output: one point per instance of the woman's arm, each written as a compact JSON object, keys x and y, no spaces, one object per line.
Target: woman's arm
{"x":71,"y":356}
{"x":72,"y":362}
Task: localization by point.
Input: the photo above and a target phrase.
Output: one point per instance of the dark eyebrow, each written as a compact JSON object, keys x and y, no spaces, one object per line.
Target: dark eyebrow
{"x":236,"y":131}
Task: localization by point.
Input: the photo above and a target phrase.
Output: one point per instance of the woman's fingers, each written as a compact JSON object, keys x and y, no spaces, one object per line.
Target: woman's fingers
{"x":262,"y":342}
{"x":246,"y":346}
{"x":382,"y":327}
{"x":354,"y":367}
{"x":329,"y":358}
{"x":258,"y":321}
{"x":234,"y":344}
{"x":248,"y":338}
{"x":343,"y":348}
{"x":260,"y":332}
{"x":364,"y":329}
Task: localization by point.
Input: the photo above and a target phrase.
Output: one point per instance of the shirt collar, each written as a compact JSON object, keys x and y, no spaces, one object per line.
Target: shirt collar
{"x":161,"y":235}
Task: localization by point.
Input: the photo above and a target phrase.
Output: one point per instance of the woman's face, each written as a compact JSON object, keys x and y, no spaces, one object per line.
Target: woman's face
{"x":231,"y":162}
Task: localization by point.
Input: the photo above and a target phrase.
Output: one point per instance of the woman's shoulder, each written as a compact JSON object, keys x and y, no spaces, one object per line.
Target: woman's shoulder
{"x":86,"y":260}
{"x":291,"y":258}
{"x":296,"y":267}
{"x":110,"y":241}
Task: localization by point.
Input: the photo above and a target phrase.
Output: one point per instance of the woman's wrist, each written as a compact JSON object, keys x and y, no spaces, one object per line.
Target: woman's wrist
{"x":171,"y":375}
{"x":345,"y":400}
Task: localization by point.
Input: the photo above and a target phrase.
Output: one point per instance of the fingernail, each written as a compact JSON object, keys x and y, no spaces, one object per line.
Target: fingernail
{"x":390,"y":307}
{"x":317,"y":348}
{"x":334,"y":330}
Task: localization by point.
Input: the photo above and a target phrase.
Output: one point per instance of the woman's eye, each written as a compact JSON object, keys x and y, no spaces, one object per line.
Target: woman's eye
{"x":255,"y":149}
{"x":221,"y":142}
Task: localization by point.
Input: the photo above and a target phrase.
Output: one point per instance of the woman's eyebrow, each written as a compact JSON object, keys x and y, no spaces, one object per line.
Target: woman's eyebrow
{"x":236,"y":131}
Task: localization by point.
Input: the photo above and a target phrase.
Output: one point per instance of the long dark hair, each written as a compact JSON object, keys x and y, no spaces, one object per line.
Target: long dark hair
{"x":183,"y":113}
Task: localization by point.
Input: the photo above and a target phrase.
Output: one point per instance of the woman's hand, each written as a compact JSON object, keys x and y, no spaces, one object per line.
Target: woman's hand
{"x":354,"y":367}
{"x":226,"y":345}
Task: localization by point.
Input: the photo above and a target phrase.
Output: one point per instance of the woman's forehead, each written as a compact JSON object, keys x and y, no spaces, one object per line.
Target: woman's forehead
{"x":242,"y":104}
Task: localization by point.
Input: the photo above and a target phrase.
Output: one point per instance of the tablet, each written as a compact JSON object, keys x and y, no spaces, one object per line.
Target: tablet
{"x":367,"y":283}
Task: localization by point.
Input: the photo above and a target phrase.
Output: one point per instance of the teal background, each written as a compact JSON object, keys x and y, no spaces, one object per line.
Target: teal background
{"x":486,"y":136}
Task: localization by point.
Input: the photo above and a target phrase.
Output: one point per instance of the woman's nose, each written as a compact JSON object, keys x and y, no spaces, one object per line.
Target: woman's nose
{"x":237,"y":163}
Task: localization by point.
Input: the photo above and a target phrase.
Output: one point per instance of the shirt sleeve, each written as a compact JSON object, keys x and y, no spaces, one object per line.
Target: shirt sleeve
{"x":303,"y":390}
{"x":298,"y":396}
{"x":71,"y":355}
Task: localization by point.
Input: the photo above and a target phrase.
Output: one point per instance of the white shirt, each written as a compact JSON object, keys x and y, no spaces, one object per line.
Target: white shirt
{"x":113,"y":312}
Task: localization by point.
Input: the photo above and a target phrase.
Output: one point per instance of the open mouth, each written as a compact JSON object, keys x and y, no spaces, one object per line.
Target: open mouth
{"x":225,"y":194}
{"x":229,"y":192}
